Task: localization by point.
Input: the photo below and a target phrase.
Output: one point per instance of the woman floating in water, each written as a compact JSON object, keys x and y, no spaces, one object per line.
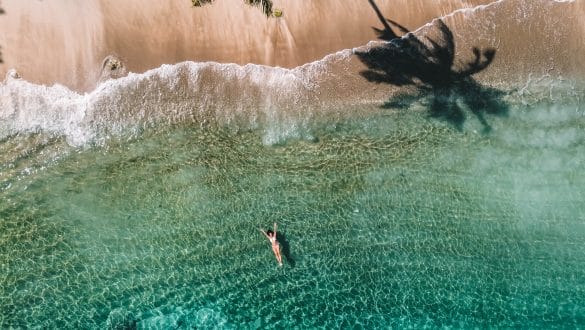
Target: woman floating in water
{"x":271,"y":235}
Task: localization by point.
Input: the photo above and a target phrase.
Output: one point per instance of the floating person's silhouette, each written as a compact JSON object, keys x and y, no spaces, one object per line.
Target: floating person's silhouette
{"x":429,"y":65}
{"x":271,"y":235}
{"x":280,"y":245}
{"x":285,"y":245}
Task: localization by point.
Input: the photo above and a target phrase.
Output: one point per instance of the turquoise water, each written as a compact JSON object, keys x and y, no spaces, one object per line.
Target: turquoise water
{"x":391,"y":220}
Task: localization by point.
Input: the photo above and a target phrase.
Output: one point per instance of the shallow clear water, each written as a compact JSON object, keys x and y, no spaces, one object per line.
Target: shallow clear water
{"x":391,"y":220}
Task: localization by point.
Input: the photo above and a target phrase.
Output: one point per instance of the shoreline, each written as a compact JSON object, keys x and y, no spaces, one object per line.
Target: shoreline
{"x":81,"y":36}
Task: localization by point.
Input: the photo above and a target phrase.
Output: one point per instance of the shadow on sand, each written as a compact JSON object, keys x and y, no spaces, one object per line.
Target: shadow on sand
{"x":429,"y":65}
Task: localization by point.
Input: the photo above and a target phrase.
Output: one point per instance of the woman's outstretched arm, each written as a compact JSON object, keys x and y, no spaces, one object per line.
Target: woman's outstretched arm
{"x":263,"y":232}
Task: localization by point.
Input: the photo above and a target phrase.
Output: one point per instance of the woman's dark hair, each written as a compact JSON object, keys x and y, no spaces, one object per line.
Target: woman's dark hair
{"x":269,"y":232}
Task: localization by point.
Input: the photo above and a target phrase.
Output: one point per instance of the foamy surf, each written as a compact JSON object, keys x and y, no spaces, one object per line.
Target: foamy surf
{"x":285,"y":103}
{"x":242,"y":97}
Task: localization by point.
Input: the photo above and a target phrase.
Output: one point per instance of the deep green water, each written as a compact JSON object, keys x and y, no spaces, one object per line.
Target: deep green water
{"x":394,"y":220}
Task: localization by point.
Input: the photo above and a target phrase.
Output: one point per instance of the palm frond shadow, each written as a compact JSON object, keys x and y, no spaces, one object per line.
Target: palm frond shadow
{"x":429,"y":66}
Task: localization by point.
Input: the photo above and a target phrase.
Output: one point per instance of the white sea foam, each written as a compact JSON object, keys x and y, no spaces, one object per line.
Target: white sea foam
{"x":282,"y":103}
{"x":244,"y":97}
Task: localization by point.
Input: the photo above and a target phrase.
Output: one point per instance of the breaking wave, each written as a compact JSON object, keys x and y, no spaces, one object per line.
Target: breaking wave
{"x":287,"y":103}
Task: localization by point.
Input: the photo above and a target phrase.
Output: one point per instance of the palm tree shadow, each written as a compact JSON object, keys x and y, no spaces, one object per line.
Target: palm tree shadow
{"x":285,"y":245}
{"x":429,"y":66}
